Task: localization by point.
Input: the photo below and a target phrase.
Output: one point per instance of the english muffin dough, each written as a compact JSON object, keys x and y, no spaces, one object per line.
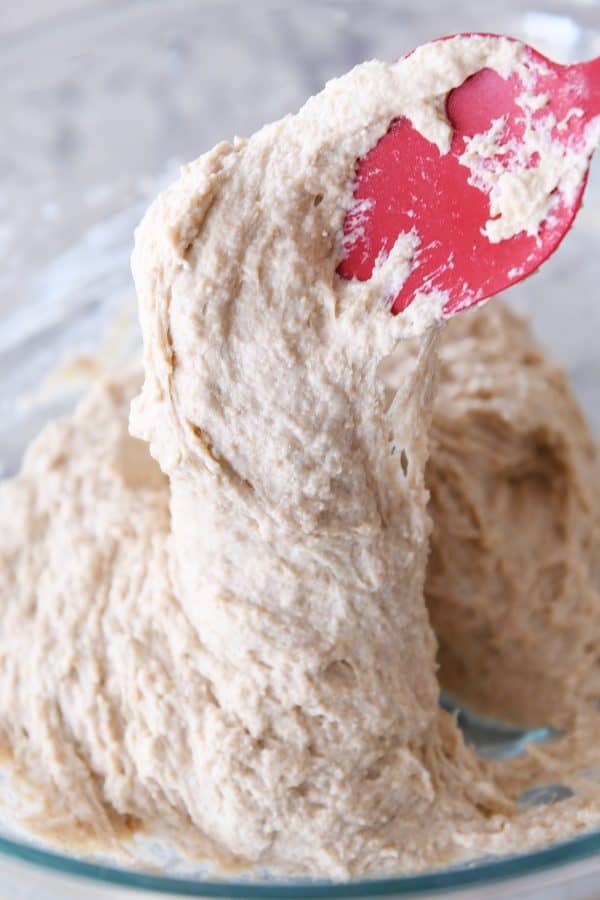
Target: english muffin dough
{"x":515,"y":549}
{"x":513,"y":567}
{"x":107,"y":692}
{"x":237,"y":653}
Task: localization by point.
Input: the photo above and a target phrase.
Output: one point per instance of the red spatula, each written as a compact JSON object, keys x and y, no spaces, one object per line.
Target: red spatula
{"x":404,"y":184}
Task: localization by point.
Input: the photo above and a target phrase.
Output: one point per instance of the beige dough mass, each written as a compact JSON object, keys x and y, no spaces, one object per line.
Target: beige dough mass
{"x":514,"y":554}
{"x":236,"y":651}
{"x":515,"y":549}
{"x":107,"y":703}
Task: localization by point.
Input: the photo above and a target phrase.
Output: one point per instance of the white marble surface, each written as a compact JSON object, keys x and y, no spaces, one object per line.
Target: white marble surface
{"x":17,"y":17}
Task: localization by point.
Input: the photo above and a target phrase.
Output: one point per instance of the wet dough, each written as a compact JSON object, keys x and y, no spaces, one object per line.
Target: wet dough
{"x":107,"y":699}
{"x":238,"y":653}
{"x":515,"y":549}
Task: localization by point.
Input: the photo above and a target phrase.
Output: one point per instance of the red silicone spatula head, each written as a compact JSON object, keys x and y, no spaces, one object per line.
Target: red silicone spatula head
{"x":405,"y":185}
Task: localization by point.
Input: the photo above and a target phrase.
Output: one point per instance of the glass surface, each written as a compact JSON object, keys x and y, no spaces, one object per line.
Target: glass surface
{"x":100,"y":102}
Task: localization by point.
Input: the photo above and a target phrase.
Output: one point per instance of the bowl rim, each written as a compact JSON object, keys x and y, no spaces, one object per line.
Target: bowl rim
{"x":494,"y":871}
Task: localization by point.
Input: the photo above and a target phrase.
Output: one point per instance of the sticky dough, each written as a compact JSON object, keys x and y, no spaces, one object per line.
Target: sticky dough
{"x":515,"y":545}
{"x":235,"y":650}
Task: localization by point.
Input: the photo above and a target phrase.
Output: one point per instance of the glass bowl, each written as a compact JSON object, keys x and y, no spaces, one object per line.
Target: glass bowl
{"x":100,"y":102}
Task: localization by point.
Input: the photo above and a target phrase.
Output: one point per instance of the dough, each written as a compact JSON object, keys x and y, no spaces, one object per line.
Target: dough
{"x":104,"y":700}
{"x":515,"y":549}
{"x":514,"y":557}
{"x":237,"y":653}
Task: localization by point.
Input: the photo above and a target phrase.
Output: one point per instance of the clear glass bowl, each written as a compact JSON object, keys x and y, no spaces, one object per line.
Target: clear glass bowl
{"x":100,"y":102}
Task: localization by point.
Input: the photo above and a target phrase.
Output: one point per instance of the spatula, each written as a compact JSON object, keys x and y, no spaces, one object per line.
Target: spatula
{"x":405,"y":185}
